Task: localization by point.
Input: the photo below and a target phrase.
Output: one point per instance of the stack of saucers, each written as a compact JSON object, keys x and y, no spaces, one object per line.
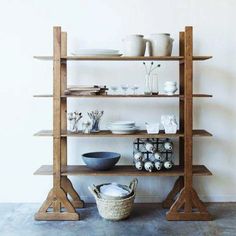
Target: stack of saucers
{"x":123,"y":127}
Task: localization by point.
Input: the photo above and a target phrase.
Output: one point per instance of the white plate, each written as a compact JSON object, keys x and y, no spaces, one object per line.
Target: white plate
{"x":121,"y":127}
{"x":124,"y":128}
{"x":97,"y":55}
{"x":96,"y":51}
{"x":124,"y":131}
{"x":123,"y":123}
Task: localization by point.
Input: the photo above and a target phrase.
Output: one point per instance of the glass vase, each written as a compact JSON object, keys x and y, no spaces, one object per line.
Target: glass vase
{"x":148,"y":85}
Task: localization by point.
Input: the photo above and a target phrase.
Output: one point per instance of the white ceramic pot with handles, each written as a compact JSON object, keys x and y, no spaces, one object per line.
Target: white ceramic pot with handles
{"x":160,"y":44}
{"x":134,"y":45}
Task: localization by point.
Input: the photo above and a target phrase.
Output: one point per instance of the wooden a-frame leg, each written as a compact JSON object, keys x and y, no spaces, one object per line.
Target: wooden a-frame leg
{"x":189,"y":207}
{"x":69,"y":189}
{"x":170,"y":199}
{"x":57,"y":198}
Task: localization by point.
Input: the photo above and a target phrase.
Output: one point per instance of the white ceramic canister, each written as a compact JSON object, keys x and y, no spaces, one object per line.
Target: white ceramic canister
{"x":168,"y":146}
{"x":158,"y":165}
{"x":160,"y":44}
{"x":139,"y":165}
{"x":170,"y":87}
{"x":138,"y":156}
{"x":134,"y":45}
{"x":148,"y":166}
{"x":168,"y":164}
{"x":157,"y":156}
{"x":149,"y":147}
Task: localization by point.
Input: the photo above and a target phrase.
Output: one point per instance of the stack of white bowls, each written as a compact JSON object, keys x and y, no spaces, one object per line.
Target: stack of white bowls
{"x":123,"y":127}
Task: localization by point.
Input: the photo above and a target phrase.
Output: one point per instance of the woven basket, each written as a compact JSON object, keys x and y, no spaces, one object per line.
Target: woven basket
{"x":115,"y":209}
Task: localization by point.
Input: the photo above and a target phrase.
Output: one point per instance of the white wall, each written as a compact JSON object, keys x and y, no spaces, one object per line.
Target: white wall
{"x":26,"y":30}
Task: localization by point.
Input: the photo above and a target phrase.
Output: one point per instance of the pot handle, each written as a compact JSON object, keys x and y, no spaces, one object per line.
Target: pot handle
{"x":148,"y":47}
{"x":133,"y":184}
{"x":93,"y":189}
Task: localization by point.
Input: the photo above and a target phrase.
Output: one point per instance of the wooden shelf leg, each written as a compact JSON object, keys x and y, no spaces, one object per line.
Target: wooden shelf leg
{"x":188,"y":207}
{"x":170,"y":199}
{"x":69,"y":189}
{"x":57,"y":198}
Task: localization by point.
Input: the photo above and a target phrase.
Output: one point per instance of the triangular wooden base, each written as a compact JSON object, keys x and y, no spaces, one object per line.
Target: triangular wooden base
{"x":69,"y":189}
{"x":170,"y":199}
{"x":189,"y":207}
{"x":57,"y":198}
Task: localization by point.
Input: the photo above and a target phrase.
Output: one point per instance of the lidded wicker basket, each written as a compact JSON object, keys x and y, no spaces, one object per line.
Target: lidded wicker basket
{"x":115,"y":209}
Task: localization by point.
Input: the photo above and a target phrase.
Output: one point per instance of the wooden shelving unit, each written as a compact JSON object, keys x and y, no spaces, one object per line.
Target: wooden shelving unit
{"x":182,"y":201}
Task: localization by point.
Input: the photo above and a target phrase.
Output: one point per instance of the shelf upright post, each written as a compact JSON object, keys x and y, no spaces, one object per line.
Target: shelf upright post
{"x":65,"y":181}
{"x":188,"y":206}
{"x":179,"y":183}
{"x":57,"y":197}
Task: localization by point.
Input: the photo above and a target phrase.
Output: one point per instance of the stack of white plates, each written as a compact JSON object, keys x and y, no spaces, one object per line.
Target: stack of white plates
{"x":97,"y":53}
{"x":123,"y":127}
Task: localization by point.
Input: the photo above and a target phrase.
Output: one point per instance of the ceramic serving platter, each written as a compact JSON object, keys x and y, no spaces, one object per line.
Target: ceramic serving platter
{"x":97,"y":52}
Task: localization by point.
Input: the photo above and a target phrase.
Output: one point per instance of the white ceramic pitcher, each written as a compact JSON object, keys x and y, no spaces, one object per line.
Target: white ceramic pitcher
{"x":134,"y":45}
{"x":160,"y":45}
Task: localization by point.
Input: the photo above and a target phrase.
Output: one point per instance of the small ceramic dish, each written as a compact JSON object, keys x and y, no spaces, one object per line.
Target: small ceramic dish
{"x":152,"y":128}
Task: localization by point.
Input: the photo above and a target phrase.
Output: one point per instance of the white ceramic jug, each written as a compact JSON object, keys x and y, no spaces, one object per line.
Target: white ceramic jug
{"x":134,"y":45}
{"x":160,"y":45}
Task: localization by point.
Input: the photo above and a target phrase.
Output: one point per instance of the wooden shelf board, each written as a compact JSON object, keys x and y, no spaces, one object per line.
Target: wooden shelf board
{"x":122,"y":96}
{"x":198,"y":170}
{"x":139,"y":134}
{"x":123,"y":58}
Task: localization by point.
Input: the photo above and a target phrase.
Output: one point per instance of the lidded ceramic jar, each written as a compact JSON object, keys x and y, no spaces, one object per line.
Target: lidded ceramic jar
{"x":134,"y":45}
